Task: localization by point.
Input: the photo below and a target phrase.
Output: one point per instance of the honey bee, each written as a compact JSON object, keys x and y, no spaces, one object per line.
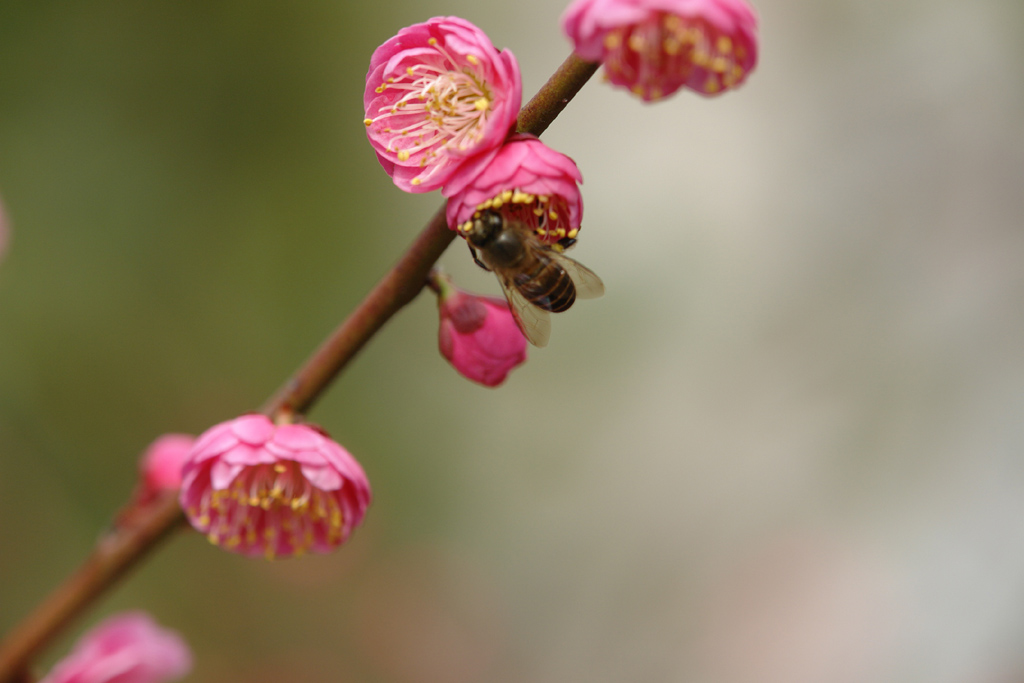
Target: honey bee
{"x":536,"y":277}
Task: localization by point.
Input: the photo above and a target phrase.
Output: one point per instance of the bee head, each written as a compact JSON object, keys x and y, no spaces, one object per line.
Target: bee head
{"x":487,"y":225}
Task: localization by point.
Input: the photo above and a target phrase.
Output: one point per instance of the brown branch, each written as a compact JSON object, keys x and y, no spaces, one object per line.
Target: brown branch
{"x":119,"y":550}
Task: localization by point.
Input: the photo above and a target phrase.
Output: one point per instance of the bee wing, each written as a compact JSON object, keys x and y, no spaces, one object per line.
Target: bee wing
{"x":534,"y":323}
{"x":588,"y":284}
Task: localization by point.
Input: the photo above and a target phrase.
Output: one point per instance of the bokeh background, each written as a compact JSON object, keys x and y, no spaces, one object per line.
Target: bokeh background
{"x":787,"y":445}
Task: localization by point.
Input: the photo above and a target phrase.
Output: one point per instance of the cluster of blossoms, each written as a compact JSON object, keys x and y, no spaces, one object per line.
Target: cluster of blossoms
{"x":441,"y":104}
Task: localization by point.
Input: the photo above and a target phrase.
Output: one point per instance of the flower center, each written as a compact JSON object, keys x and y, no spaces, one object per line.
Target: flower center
{"x":545,"y":215}
{"x":673,"y":48}
{"x":272,"y":507}
{"x":440,"y":106}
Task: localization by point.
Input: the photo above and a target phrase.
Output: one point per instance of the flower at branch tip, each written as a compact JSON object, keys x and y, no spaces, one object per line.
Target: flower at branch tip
{"x":526,"y":181}
{"x":655,"y":47}
{"x":438,"y":93}
{"x":478,"y":335}
{"x":126,"y":648}
{"x":257,"y":488}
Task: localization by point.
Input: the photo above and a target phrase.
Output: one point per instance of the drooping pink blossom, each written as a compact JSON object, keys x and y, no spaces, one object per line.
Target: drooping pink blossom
{"x":478,"y":335}
{"x":655,"y":47}
{"x":437,"y":94}
{"x":526,"y":181}
{"x":257,"y":488}
{"x":126,"y":648}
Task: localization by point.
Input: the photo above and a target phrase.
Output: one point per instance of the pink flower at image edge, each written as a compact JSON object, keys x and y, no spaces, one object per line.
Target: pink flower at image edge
{"x":436,"y":94}
{"x":526,"y":181}
{"x":257,"y":488}
{"x":655,"y":47}
{"x":479,"y":336}
{"x":126,"y":648}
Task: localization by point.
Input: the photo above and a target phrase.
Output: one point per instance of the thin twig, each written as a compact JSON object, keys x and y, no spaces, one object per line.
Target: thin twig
{"x":119,"y":550}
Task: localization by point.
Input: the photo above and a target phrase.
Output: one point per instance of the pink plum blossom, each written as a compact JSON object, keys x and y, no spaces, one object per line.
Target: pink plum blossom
{"x":160,"y":466}
{"x":126,"y":648}
{"x":655,"y":47}
{"x":257,"y":488}
{"x":479,"y":336}
{"x":159,"y":472}
{"x":437,"y":94}
{"x":526,"y":181}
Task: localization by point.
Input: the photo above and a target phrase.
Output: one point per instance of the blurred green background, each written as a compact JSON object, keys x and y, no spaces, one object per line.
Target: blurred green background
{"x":787,"y":445}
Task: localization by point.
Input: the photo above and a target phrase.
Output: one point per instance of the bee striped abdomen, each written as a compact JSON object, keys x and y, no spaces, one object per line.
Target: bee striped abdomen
{"x":546,"y":285}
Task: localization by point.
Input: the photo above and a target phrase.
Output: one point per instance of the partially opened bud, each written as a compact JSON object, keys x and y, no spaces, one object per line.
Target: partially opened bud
{"x":126,"y":648}
{"x":527,"y":182}
{"x":159,"y":472}
{"x":257,"y":488}
{"x":655,"y":47}
{"x":478,"y":335}
{"x":438,"y":93}
{"x":160,"y":466}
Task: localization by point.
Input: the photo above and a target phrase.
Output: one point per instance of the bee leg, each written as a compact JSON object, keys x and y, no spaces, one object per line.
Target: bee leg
{"x":476,"y":259}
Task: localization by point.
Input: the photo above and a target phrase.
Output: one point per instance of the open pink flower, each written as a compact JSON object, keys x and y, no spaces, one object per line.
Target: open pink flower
{"x":655,"y":47}
{"x":526,"y":181}
{"x":257,"y":488}
{"x":126,"y":648}
{"x":437,"y":94}
{"x":478,"y":335}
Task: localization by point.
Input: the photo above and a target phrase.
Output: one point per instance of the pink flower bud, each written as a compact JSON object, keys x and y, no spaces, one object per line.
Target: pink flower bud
{"x":160,"y":466}
{"x":438,"y":93}
{"x":256,"y":488}
{"x":655,"y":47}
{"x":126,"y":648}
{"x":479,"y":336}
{"x":159,"y":472}
{"x":527,"y":181}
